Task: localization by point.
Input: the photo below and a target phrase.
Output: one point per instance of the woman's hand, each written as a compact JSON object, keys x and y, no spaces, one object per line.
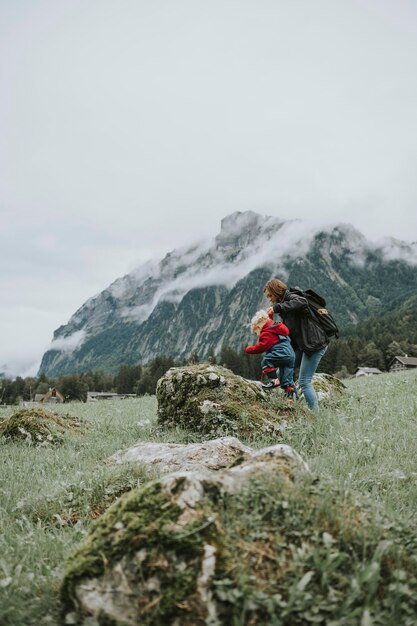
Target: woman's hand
{"x":270,"y":310}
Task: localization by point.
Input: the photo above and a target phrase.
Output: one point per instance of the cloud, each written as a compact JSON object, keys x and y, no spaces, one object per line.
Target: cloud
{"x":25,"y":336}
{"x":207,"y":265}
{"x":395,"y":250}
{"x":70,"y":343}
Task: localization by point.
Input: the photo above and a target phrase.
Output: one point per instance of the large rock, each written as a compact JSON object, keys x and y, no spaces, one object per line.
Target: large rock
{"x":328,"y":386}
{"x":261,"y":543}
{"x":212,"y":455}
{"x":213,"y":401}
{"x":171,"y":457}
{"x":152,"y":557}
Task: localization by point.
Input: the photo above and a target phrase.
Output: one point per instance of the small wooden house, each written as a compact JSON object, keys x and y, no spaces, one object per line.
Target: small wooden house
{"x":367,"y":371}
{"x":93,"y":396}
{"x":401,"y":363}
{"x":53,"y":396}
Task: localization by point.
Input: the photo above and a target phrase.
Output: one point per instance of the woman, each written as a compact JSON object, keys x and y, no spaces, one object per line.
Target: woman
{"x":307,"y":337}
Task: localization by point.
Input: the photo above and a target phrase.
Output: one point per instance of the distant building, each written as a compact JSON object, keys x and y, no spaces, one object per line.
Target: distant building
{"x":367,"y":371}
{"x":93,"y":396}
{"x":401,"y":363}
{"x":53,"y":396}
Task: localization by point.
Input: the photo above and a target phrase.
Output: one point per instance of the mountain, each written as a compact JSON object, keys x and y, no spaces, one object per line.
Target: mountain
{"x":201,"y":296}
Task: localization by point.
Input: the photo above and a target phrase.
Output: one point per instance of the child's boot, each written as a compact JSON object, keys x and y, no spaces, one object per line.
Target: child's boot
{"x":269,"y":375}
{"x":290,"y":392}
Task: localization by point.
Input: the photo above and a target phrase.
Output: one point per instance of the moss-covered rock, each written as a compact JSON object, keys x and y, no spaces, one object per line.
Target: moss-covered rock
{"x":152,"y":557}
{"x":259,"y":543}
{"x":328,"y":386}
{"x":213,"y":401}
{"x":37,"y":426}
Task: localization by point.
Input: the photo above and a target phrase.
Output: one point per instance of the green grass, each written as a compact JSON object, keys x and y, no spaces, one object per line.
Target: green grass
{"x":365,"y":443}
{"x":310,"y":554}
{"x":37,"y":484}
{"x":368,"y":442}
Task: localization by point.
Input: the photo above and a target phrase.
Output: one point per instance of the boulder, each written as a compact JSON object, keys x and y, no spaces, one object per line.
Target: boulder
{"x":213,"y":401}
{"x":152,"y":557}
{"x":171,"y":457}
{"x":262,"y":542}
{"x":211,"y":455}
{"x":37,"y":426}
{"x":328,"y":386}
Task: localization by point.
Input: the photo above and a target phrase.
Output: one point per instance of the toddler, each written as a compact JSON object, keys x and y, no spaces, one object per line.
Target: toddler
{"x":275,"y":343}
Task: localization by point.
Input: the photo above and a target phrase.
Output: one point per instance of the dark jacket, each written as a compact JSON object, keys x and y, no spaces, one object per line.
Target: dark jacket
{"x":268,"y":337}
{"x":305,"y":333}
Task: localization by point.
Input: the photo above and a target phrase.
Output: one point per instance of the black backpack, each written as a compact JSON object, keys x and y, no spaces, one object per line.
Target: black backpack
{"x":319,"y":313}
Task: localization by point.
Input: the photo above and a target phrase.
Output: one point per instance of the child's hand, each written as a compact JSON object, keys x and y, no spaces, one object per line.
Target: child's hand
{"x":270,"y":310}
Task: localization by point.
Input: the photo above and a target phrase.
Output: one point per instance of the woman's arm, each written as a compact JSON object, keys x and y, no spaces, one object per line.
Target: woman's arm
{"x":294,"y":303}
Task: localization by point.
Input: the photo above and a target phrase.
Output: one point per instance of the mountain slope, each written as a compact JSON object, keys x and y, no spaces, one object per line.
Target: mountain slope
{"x":198,"y":298}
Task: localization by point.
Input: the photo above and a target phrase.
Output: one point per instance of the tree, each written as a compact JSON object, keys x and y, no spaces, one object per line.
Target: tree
{"x":29,"y":388}
{"x":152,"y":373}
{"x":371,"y":356}
{"x":342,"y":373}
{"x":230,"y":359}
{"x":344,"y":357}
{"x":18,"y":387}
{"x":42,"y":388}
{"x":73,"y":388}
{"x":327,"y":363}
{"x":128,"y":378}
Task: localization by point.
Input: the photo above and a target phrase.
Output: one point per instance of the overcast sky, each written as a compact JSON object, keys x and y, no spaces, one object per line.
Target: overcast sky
{"x":131,"y":127}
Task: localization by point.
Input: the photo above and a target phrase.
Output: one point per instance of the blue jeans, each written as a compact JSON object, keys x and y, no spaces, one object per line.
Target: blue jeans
{"x":308,"y":365}
{"x":281,"y":356}
{"x":286,"y":372}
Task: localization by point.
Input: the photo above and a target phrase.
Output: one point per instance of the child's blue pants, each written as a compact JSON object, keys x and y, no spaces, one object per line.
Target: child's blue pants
{"x":282,"y":357}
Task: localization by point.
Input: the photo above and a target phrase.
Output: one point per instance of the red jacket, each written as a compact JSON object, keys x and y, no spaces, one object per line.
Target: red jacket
{"x":268,"y":337}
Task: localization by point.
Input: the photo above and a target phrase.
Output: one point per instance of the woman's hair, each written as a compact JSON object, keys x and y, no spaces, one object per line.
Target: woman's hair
{"x":260,"y":316}
{"x":275,"y":290}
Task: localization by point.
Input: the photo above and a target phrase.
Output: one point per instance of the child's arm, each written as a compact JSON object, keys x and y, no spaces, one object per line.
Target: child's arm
{"x":262,"y":346}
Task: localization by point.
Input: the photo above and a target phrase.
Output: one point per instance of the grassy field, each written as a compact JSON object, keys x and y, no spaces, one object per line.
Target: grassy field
{"x":365,"y":443}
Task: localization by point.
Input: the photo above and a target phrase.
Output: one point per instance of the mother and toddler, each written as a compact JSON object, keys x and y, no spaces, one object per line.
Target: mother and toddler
{"x":294,"y":342}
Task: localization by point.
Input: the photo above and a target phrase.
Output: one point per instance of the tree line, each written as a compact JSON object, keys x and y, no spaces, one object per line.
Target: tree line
{"x":130,"y":379}
{"x":342,"y":359}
